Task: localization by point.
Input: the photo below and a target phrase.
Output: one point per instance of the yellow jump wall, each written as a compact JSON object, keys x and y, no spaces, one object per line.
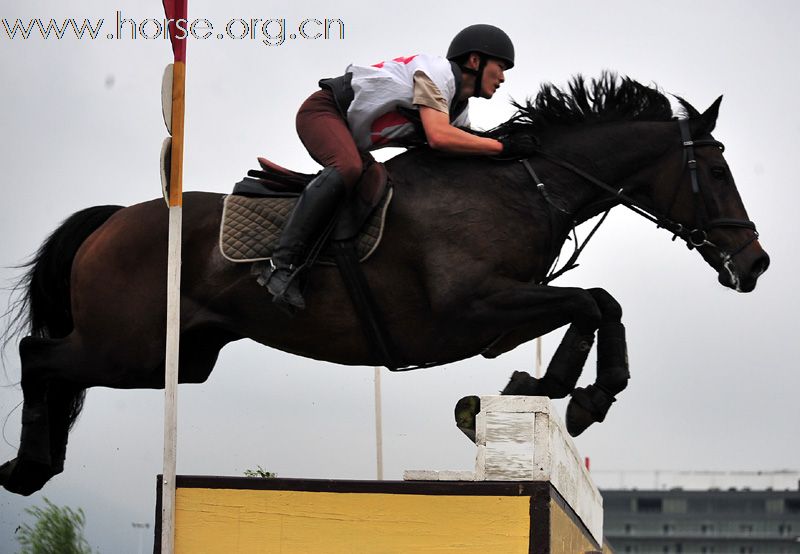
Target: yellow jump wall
{"x":292,"y":516}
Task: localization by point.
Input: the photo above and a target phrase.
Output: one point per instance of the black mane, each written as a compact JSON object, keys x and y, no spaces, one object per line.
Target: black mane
{"x":609,"y":98}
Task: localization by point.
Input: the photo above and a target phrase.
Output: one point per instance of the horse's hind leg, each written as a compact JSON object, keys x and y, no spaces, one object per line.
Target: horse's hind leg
{"x":33,"y":462}
{"x":50,"y":405}
{"x":591,"y":404}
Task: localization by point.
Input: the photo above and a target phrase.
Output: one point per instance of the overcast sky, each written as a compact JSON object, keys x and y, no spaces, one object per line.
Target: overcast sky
{"x":714,"y":373}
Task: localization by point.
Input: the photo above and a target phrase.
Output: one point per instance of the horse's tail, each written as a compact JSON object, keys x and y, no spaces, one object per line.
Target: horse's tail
{"x":42,"y":306}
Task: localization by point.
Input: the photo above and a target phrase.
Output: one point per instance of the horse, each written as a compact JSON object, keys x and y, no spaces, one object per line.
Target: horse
{"x":463,"y":268}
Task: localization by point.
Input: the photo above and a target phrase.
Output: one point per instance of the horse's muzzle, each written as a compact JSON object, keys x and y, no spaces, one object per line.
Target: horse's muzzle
{"x":741,"y":273}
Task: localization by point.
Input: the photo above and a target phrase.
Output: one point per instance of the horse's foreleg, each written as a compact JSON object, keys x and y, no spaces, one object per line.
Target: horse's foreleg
{"x":522,"y":313}
{"x":563,"y":371}
{"x":591,"y":404}
{"x":549,"y":308}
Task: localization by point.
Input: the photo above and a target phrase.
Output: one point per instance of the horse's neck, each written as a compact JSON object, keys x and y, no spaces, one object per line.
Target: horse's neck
{"x":613,"y":153}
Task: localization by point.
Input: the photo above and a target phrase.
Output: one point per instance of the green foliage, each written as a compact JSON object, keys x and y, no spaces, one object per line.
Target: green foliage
{"x":56,"y":531}
{"x":260,"y":472}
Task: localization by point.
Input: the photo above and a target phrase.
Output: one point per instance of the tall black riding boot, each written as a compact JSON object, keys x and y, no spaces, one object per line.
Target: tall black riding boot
{"x":313,"y":210}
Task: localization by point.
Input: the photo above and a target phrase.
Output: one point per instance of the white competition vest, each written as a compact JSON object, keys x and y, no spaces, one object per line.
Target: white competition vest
{"x":379,"y":90}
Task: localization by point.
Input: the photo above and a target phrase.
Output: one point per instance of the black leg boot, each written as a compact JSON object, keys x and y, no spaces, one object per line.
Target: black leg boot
{"x":313,"y":210}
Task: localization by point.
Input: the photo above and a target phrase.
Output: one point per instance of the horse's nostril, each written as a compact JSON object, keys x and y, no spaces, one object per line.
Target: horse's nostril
{"x":760,"y":265}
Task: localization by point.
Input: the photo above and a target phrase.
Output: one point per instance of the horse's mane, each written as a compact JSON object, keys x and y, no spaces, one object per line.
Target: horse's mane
{"x":605,"y":99}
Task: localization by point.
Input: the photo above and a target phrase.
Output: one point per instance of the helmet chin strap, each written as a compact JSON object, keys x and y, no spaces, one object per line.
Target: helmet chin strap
{"x":478,"y":73}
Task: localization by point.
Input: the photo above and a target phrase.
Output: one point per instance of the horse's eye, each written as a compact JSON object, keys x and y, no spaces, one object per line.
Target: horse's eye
{"x":718,"y":172}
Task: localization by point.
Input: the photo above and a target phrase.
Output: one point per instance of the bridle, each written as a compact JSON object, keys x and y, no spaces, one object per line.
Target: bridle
{"x":699,"y":235}
{"x":694,"y":238}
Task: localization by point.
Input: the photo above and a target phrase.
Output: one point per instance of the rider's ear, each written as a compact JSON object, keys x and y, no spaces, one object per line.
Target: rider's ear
{"x":704,"y":124}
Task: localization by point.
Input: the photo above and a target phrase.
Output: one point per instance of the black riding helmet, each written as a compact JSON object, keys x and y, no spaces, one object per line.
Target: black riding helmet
{"x":484,"y":39}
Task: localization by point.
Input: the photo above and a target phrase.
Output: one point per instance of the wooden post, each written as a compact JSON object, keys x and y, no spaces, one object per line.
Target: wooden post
{"x":173,"y":312}
{"x":538,"y":369}
{"x":171,"y":382}
{"x":378,"y":425}
{"x":175,"y":9}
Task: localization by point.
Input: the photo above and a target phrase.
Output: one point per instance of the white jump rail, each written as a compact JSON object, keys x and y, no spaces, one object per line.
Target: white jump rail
{"x":521,"y":438}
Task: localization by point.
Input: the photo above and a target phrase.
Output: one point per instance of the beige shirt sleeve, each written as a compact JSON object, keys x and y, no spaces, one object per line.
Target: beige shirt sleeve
{"x":426,"y":93}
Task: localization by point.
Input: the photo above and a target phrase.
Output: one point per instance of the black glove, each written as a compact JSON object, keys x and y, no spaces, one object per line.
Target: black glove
{"x":517,"y":147}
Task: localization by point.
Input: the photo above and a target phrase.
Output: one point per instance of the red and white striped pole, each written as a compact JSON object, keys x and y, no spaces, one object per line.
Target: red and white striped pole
{"x":175,"y":10}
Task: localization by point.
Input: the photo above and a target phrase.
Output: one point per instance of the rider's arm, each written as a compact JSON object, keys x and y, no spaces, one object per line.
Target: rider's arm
{"x":443,"y":136}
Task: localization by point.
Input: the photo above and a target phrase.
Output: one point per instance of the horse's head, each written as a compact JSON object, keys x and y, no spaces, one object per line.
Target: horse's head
{"x":698,"y":194}
{"x":670,"y":171}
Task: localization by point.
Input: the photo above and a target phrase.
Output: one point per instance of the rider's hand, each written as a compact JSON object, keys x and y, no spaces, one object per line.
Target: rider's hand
{"x":517,"y":147}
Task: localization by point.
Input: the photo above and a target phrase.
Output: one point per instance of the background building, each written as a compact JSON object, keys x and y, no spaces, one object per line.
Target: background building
{"x":704,"y":512}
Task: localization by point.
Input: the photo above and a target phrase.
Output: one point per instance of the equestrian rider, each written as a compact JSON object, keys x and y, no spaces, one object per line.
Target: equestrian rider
{"x":401,"y":102}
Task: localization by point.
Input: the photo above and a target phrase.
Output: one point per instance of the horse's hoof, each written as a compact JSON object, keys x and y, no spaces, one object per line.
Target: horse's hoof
{"x":24,"y":477}
{"x":587,"y":406}
{"x":5,"y":471}
{"x":578,"y":418}
{"x":466,"y":410}
{"x":522,"y":384}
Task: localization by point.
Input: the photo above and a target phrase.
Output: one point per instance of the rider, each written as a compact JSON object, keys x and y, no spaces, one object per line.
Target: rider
{"x":401,"y":102}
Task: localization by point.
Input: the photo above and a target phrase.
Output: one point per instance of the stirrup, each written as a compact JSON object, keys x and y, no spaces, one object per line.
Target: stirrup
{"x":264,"y":270}
{"x":286,"y":291}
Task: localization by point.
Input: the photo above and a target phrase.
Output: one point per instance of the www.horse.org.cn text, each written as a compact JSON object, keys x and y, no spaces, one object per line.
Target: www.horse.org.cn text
{"x":270,"y":32}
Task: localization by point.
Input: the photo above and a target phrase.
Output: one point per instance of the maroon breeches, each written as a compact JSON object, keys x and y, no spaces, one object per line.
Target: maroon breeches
{"x":326,"y":136}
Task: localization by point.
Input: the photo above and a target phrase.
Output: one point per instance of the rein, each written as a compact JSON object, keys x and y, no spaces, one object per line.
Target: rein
{"x":693,"y":238}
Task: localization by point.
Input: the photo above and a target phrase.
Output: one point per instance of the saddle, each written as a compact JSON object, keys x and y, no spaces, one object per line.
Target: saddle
{"x":253,"y":217}
{"x":254,"y":214}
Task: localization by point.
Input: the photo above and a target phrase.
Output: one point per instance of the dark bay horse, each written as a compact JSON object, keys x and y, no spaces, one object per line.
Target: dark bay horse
{"x":460,"y":271}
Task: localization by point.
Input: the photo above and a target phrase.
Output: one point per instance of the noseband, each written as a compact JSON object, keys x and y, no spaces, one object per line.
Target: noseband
{"x":694,"y":238}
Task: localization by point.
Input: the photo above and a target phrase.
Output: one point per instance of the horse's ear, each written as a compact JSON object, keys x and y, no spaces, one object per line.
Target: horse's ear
{"x":705,"y":124}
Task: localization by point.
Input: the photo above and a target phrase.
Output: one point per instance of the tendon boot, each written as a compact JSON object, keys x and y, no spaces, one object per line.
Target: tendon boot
{"x":566,"y":365}
{"x":563,"y":371}
{"x":314,"y":208}
{"x":612,"y":358}
{"x":591,"y":404}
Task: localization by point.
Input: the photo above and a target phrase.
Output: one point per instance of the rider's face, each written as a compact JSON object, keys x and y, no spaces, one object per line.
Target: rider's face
{"x":493,"y":77}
